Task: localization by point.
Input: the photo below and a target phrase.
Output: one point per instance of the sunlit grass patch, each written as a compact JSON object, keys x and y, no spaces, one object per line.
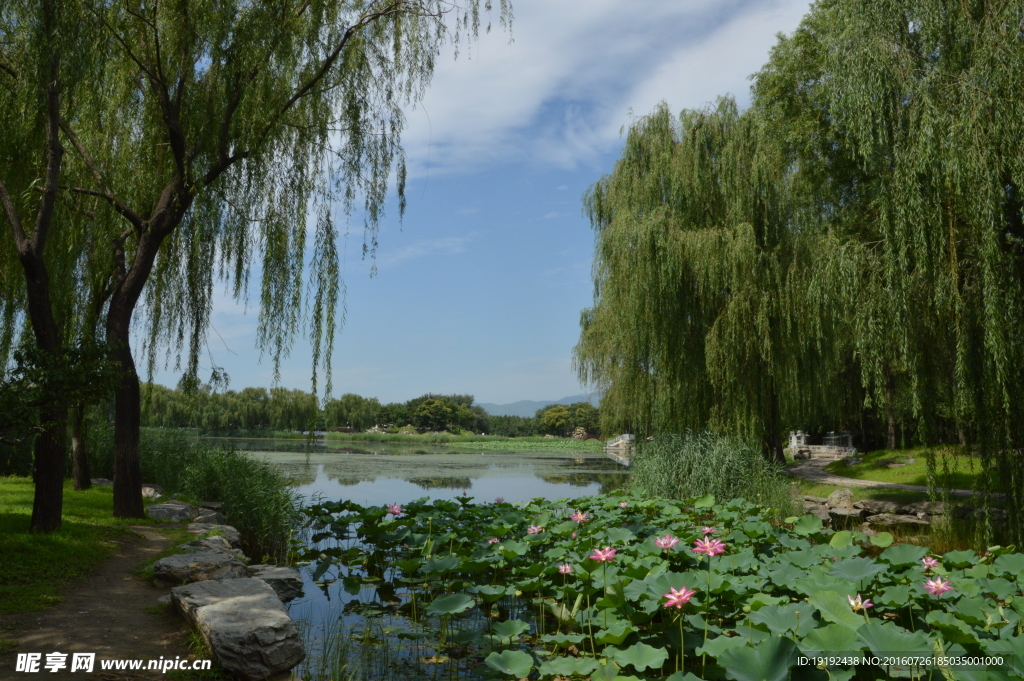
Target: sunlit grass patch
{"x":35,"y":566}
{"x":910,"y":467}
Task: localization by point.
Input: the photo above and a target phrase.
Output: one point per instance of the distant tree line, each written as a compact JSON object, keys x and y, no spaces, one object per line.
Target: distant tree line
{"x":256,"y":409}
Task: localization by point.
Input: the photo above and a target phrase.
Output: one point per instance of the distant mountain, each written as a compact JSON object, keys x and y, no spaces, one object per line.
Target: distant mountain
{"x":530,"y":407}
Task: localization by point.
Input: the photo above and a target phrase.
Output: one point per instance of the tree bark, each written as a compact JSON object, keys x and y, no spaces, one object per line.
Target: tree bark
{"x":79,"y":450}
{"x":127,"y":419}
{"x":891,"y":441}
{"x":773,"y":436}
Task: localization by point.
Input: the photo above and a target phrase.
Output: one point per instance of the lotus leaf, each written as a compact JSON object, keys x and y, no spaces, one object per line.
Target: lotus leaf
{"x":514,"y":662}
{"x":450,"y":605}
{"x":769,"y":660}
{"x":904,"y":554}
{"x":567,"y":666}
{"x":640,"y":656}
{"x":835,"y":608}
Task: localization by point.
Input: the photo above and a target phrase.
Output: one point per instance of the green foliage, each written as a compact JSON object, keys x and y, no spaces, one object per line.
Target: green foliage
{"x":849,"y":250}
{"x":515,"y":426}
{"x":695,"y":464}
{"x":559,"y":419}
{"x":257,"y":497}
{"x":776,"y":593}
{"x":42,"y":381}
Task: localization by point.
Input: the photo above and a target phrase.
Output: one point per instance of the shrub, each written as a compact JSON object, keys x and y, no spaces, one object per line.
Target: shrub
{"x":695,"y":464}
{"x":257,"y":497}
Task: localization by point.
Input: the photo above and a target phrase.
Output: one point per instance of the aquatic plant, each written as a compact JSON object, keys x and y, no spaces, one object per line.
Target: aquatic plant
{"x":607,"y":598}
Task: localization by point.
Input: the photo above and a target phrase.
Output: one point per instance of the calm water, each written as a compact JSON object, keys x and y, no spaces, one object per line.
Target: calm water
{"x":372,"y":474}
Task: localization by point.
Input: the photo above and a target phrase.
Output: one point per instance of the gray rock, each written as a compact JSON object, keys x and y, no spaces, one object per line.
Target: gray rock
{"x":197,"y":567}
{"x":164,"y":600}
{"x":841,"y":498}
{"x":802,"y":455}
{"x":891,"y":520}
{"x":822,"y":513}
{"x":810,"y":506}
{"x":286,"y":582}
{"x":244,"y":623}
{"x":102,"y":482}
{"x":852,"y":460}
{"x":925,"y":507}
{"x":226,"y":531}
{"x":874,"y":507}
{"x":215,"y":505}
{"x":205,"y":515}
{"x":172,"y":512}
{"x":152,"y":491}
{"x":811,"y":497}
{"x":215,"y":544}
{"x":845,"y":518}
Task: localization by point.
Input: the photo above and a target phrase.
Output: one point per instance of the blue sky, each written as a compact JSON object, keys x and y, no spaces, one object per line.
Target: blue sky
{"x":480,"y":289}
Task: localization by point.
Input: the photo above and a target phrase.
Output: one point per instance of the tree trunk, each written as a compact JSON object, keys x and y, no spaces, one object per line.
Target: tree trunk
{"x":50,"y":454}
{"x":891,"y":442}
{"x":773,"y":436}
{"x":79,"y":451}
{"x":127,"y":419}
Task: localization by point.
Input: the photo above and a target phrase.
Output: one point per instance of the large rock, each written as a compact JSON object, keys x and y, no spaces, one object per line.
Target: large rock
{"x":841,"y":498}
{"x":231,"y":534}
{"x":244,"y":623}
{"x":151,"y":491}
{"x":845,"y":518}
{"x":920,"y":508}
{"x":286,"y":582}
{"x":102,"y":482}
{"x":215,"y":544}
{"x":197,"y":567}
{"x":874,"y":507}
{"x":890,"y":520}
{"x":170,"y":512}
{"x":206,"y":515}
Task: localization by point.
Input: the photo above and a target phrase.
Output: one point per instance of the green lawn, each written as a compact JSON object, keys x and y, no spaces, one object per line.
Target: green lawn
{"x":962,"y":469}
{"x":33,"y":566}
{"x":860,"y":493}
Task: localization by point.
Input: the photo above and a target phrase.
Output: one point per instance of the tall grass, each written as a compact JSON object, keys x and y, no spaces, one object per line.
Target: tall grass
{"x":257,"y":498}
{"x":695,"y":464}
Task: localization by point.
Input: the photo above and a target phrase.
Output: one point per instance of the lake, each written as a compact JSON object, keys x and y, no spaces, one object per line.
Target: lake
{"x":375,"y":474}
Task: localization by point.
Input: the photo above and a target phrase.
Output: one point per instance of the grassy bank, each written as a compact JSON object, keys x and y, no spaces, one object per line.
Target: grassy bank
{"x":495,"y":442}
{"x":34,"y":567}
{"x":954,"y":469}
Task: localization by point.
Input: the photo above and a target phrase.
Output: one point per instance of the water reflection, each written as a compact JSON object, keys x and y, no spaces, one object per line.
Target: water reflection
{"x":389,"y":473}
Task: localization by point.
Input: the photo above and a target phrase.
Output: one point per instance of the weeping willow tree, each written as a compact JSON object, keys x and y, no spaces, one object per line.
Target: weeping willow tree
{"x":194,"y":148}
{"x":850,"y":246}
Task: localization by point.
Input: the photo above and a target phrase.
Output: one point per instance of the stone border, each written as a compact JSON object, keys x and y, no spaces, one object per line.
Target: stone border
{"x":814,"y":470}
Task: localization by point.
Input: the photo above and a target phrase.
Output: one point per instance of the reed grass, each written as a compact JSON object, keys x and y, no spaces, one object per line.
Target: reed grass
{"x":695,"y":464}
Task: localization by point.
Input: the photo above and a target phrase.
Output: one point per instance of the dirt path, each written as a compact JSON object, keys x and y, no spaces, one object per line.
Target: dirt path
{"x":814,"y":470}
{"x":104,"y":614}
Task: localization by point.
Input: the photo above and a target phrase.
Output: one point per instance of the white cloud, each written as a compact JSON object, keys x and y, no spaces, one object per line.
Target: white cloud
{"x":561,"y":91}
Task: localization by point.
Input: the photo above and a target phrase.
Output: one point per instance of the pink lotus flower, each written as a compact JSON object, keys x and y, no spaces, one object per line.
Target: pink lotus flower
{"x":573,"y":535}
{"x":709,"y":547}
{"x":395,"y":509}
{"x":604,"y":555}
{"x":677,"y":599}
{"x":665,"y":543}
{"x":929,"y":562}
{"x":936,"y":587}
{"x":565,"y":568}
{"x":500,"y":500}
{"x":579,"y":516}
{"x":623,"y":504}
{"x":857,"y":604}
{"x":708,"y":530}
{"x":534,"y":529}
{"x":492,"y":540}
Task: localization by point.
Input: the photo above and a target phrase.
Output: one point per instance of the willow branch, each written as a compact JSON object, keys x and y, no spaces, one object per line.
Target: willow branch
{"x":107,"y":194}
{"x":12,"y":216}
